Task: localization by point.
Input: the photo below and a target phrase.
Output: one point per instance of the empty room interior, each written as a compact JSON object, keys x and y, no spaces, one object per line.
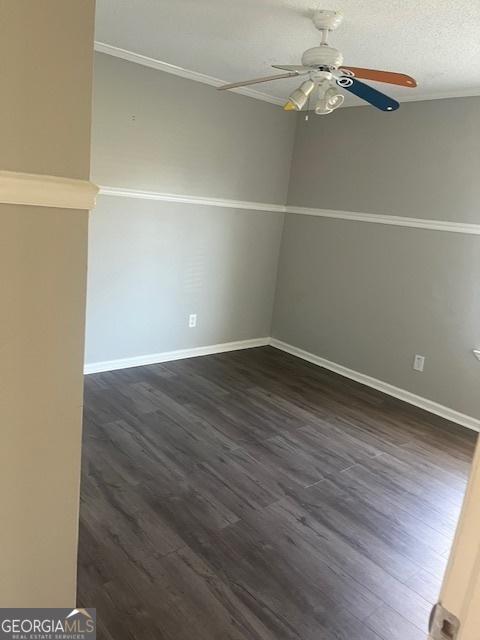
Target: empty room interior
{"x":271,"y":324}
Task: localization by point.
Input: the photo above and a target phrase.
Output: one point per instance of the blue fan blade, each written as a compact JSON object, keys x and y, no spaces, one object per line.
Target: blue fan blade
{"x":371,"y":95}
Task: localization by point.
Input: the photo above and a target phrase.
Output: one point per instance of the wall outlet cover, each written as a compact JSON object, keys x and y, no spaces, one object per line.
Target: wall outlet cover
{"x":418,"y":362}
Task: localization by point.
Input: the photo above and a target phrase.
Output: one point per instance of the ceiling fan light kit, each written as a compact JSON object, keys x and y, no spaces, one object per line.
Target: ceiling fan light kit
{"x":328,"y":101}
{"x":298,"y":99}
{"x":324,"y":67}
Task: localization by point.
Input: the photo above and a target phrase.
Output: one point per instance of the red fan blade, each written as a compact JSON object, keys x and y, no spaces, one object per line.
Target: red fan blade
{"x":382,"y":76}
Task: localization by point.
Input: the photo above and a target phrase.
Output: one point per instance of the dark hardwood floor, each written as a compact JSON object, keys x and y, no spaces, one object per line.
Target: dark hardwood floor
{"x":251,"y":495}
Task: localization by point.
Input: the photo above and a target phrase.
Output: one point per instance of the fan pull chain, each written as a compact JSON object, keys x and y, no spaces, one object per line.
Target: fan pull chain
{"x":308,"y":108}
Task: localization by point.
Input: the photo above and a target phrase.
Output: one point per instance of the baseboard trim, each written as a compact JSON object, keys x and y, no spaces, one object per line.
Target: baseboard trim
{"x":362,"y":378}
{"x":179,"y":354}
{"x":385,"y":387}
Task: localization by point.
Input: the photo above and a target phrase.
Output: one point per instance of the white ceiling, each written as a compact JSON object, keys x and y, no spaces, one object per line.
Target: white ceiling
{"x":436,"y":41}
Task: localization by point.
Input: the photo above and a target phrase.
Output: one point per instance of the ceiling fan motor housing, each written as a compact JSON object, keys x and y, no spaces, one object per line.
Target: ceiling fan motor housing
{"x":322,"y":56}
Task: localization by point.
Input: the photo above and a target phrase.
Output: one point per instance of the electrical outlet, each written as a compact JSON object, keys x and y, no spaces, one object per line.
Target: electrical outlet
{"x":192,"y":320}
{"x":418,"y":362}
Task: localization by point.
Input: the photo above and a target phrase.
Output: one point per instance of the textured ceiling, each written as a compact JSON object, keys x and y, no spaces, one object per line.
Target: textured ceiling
{"x":436,"y":41}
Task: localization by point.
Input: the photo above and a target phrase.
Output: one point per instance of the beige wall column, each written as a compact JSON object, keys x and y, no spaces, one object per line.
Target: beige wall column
{"x":460,"y":593}
{"x":45,"y":78}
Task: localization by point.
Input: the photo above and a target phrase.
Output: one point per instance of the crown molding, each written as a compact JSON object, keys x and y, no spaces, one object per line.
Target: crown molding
{"x":414,"y":96}
{"x":153,"y":63}
{"x":137,"y":58}
{"x":40,"y":190}
{"x":441,"y":95}
{"x":189,"y":199}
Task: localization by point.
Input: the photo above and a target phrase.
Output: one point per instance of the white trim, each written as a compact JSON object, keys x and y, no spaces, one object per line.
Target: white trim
{"x":153,"y":63}
{"x":414,"y":96}
{"x":425,"y":97}
{"x":179,"y":354}
{"x":385,"y":387}
{"x":138,"y":58}
{"x":354,"y":216}
{"x":398,"y":221}
{"x":362,"y":378}
{"x":187,"y":199}
{"x":46,"y":191}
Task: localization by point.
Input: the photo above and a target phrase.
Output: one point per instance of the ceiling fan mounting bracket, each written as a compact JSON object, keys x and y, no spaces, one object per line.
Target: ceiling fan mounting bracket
{"x":327,"y":20}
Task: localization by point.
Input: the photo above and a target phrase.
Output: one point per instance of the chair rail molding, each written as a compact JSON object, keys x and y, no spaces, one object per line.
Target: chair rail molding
{"x":428,"y":224}
{"x":226,"y":203}
{"x":397,"y":221}
{"x":40,"y":190}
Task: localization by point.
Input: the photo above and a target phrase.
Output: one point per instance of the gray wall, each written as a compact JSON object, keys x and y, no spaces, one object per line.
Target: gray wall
{"x":363,"y":295}
{"x":422,"y":161}
{"x":153,"y":263}
{"x":370,"y":296}
{"x":186,"y":137}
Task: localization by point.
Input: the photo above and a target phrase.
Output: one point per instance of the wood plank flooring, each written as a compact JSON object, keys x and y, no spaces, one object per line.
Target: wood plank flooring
{"x":251,"y":495}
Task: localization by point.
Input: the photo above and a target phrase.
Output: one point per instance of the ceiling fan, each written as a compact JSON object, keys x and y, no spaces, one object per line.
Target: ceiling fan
{"x":325,"y":70}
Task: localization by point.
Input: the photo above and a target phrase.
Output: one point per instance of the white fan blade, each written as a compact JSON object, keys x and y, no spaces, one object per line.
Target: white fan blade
{"x":233,"y":85}
{"x":299,"y":68}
